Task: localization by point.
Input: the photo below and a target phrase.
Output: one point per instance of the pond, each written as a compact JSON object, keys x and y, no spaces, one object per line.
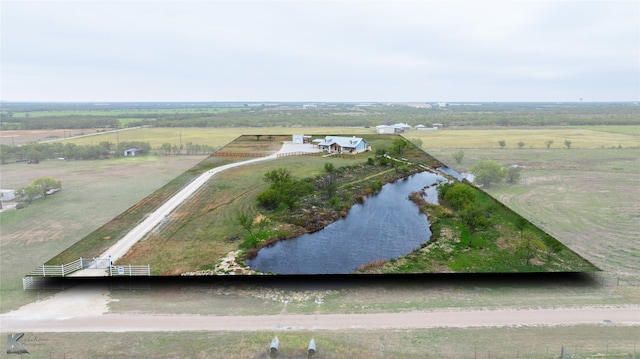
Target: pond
{"x":385,"y":226}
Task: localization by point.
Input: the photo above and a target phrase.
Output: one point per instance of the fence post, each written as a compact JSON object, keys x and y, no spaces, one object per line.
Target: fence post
{"x":149,"y":275}
{"x":81,"y":264}
{"x":62,"y":268}
{"x":44,"y":270}
{"x":130,"y":273}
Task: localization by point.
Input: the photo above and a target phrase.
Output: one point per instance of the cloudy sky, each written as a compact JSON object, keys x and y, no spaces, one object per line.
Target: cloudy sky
{"x":394,"y":51}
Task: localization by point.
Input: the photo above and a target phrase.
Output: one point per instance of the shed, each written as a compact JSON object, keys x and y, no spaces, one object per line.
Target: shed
{"x":132,"y":152}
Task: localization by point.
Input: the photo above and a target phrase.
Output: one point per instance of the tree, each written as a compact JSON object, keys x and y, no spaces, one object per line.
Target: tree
{"x":399,"y":145}
{"x":459,"y":196}
{"x":166,"y":148}
{"x":458,"y":156}
{"x":549,"y":143}
{"x":269,"y":199}
{"x":520,"y":144}
{"x":45,"y":184}
{"x":283,"y":189}
{"x":487,"y":172}
{"x":529,"y":247}
{"x":521,"y":224}
{"x":29,"y":193}
{"x":552,"y":247}
{"x":474,"y":217}
{"x":502,"y":143}
{"x":567,"y":143}
{"x":513,"y":174}
{"x":250,"y":225}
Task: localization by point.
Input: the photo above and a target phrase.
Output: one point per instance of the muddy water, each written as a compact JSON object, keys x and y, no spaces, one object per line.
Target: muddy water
{"x":386,"y":226}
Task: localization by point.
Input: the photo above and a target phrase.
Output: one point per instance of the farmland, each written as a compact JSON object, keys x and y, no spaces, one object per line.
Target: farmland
{"x":585,"y":196}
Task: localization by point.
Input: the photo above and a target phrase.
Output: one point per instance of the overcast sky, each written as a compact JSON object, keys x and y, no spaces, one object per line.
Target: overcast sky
{"x":389,"y":51}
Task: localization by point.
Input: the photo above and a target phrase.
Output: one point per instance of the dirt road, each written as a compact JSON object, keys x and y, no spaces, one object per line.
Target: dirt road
{"x":85,"y":309}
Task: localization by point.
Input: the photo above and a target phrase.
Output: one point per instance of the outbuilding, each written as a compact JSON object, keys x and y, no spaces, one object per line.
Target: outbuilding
{"x":132,"y":152}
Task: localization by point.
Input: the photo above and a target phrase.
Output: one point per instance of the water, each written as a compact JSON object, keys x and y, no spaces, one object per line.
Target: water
{"x":386,"y":226}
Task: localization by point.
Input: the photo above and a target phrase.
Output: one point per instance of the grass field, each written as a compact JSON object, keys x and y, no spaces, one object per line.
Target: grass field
{"x":587,"y":197}
{"x":593,"y":342}
{"x":93,"y":193}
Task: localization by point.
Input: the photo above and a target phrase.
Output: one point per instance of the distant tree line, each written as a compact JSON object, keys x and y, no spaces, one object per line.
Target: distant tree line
{"x":56,"y":122}
{"x":35,"y":152}
{"x":501,"y":114}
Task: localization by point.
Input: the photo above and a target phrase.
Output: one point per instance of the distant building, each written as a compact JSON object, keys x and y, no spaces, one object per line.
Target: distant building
{"x":132,"y":152}
{"x":397,"y":128}
{"x":382,"y":129}
{"x":425,"y":128}
{"x":300,"y":139}
{"x":402,"y":126}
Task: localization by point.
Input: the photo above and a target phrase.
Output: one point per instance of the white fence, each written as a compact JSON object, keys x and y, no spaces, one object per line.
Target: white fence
{"x":129,"y":271}
{"x":104,"y":264}
{"x":57,"y":270}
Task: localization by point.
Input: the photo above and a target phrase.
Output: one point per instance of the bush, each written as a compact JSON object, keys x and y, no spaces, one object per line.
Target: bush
{"x":269,"y":199}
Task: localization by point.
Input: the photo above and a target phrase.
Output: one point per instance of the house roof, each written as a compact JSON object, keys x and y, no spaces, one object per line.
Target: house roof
{"x":341,"y":141}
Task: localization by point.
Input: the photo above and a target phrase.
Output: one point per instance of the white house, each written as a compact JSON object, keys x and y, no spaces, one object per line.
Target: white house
{"x":343,"y":144}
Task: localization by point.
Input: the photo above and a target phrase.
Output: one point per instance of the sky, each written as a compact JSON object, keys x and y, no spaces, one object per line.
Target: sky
{"x":320,"y":51}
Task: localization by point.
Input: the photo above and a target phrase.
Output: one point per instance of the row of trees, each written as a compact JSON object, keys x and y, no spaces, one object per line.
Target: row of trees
{"x":191,"y":149}
{"x":36,"y":152}
{"x":521,"y":144}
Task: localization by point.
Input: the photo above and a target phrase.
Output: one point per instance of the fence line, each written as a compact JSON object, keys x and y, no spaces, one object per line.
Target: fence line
{"x":63,"y":270}
{"x":239,"y":154}
{"x":130,"y":270}
{"x":299,"y":153}
{"x":57,"y":270}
